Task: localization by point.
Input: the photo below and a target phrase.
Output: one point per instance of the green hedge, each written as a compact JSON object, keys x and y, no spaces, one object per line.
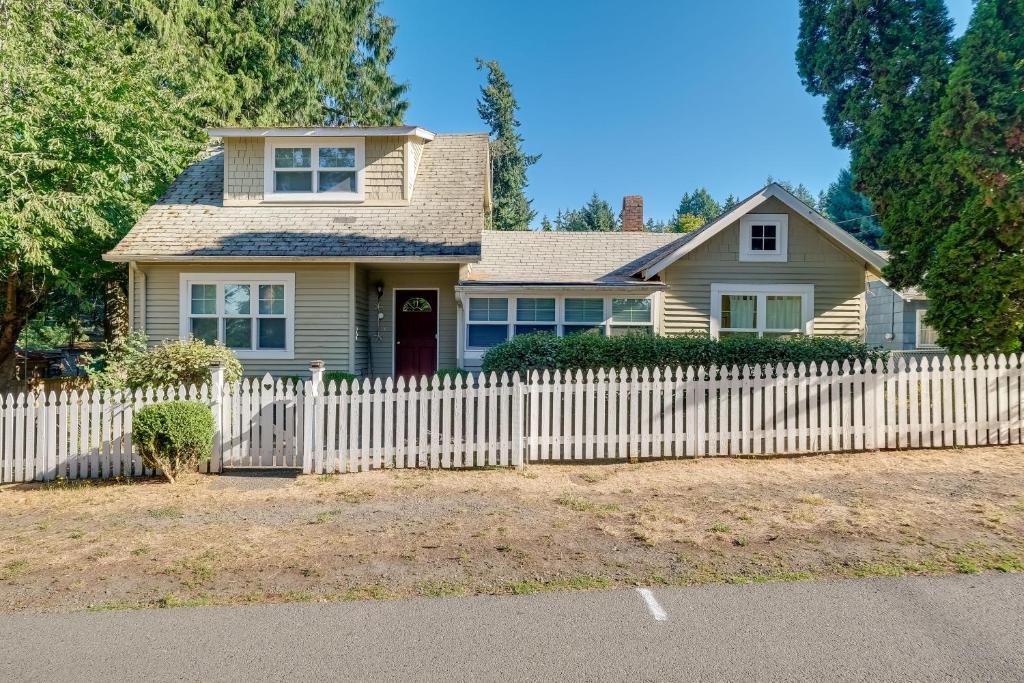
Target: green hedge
{"x":174,"y":437}
{"x":590,"y":351}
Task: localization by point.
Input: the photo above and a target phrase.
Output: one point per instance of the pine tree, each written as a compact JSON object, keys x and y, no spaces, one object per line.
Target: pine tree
{"x":699,"y":203}
{"x":799,"y":191}
{"x":509,"y":163}
{"x":595,"y":216}
{"x":545,"y":225}
{"x":975,"y":279}
{"x":730,"y":203}
{"x":851,"y":210}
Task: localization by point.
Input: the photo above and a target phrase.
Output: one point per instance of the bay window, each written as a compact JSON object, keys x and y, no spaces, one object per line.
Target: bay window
{"x":761,"y":310}
{"x":251,"y":314}
{"x":315,"y":170}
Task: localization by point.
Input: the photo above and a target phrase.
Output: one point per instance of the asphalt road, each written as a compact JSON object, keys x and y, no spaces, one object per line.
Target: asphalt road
{"x":955,"y":628}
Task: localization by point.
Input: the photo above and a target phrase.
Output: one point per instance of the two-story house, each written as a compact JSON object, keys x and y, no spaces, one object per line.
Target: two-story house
{"x":367,"y":248}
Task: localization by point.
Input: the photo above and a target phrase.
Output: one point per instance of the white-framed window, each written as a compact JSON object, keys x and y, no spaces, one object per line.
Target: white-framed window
{"x":487,"y":322}
{"x":491,"y":320}
{"x":764,"y":237}
{"x":320,"y":169}
{"x":583,"y":314}
{"x":761,"y":310}
{"x":632,"y":316}
{"x":536,"y":314}
{"x":925,"y":335}
{"x":251,"y":313}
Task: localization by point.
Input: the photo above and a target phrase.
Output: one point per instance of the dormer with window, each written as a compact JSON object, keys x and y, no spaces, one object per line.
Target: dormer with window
{"x":328,"y":165}
{"x":764,"y":237}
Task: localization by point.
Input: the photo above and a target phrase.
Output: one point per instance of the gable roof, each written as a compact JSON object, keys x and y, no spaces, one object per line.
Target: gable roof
{"x":442,"y":221}
{"x":525,"y":258}
{"x":665,"y":257}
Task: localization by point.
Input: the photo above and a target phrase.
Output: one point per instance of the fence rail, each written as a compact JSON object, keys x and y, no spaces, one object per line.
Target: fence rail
{"x":489,"y":420}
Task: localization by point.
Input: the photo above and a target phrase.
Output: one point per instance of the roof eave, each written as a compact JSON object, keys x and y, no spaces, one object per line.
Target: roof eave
{"x":322,"y":132}
{"x":164,"y":258}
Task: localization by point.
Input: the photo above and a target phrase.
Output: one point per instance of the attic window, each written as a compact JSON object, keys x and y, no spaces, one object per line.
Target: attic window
{"x":327,"y":169}
{"x":764,"y":237}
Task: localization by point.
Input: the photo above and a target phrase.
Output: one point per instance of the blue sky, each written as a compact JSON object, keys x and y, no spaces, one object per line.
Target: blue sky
{"x":651,"y":98}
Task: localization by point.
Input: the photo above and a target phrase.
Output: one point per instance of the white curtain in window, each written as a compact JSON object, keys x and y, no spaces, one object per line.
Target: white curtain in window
{"x":783,"y":313}
{"x":742,"y":311}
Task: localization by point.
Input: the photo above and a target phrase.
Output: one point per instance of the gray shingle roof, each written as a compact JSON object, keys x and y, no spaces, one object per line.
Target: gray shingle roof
{"x":444,"y":218}
{"x":564,"y":258}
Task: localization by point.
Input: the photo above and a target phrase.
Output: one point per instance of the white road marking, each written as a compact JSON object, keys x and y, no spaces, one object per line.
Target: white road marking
{"x":653,"y":607}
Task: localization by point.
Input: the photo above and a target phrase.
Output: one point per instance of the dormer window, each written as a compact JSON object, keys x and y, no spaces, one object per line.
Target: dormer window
{"x":325,"y":169}
{"x":764,"y":237}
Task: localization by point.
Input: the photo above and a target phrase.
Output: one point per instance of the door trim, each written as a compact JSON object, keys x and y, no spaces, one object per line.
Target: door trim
{"x":394,"y":324}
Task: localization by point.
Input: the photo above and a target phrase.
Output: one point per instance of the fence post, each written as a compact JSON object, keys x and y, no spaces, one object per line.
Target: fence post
{"x":216,"y":398}
{"x":316,"y":374}
{"x":874,"y":405}
{"x":518,"y":399}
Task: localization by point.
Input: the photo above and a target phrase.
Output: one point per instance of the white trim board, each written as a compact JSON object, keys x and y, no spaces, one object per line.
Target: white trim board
{"x":850,"y":243}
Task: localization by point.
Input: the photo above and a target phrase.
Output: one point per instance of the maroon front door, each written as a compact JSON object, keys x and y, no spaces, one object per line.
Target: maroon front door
{"x":415,"y":332}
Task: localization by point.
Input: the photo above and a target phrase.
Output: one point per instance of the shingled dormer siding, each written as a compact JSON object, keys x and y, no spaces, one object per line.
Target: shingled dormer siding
{"x":385,"y":175}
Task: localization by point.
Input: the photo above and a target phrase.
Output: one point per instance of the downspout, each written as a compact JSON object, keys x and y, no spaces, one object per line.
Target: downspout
{"x":140,"y":278}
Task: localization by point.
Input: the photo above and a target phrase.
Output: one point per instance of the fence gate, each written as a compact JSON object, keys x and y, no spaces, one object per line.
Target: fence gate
{"x":261,"y":423}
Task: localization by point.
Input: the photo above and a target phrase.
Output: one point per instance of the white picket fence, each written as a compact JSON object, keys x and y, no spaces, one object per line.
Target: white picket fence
{"x":486,"y":420}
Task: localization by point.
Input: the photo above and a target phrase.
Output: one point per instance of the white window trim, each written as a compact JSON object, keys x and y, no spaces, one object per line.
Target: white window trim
{"x":806,"y":292}
{"x":781,"y":223}
{"x":186,"y":280}
{"x":559,"y":323}
{"x":314,"y":144}
{"x":918,"y":322}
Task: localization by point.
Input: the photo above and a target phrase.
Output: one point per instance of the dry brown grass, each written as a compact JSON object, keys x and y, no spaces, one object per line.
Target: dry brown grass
{"x":386,"y":534}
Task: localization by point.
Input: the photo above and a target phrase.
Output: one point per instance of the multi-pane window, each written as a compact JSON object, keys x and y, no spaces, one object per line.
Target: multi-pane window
{"x":248,"y":316}
{"x":492,"y":320}
{"x":631,"y":316}
{"x":487,"y":323}
{"x":535,"y":315}
{"x":774,"y":311}
{"x":583,"y":315}
{"x":315,"y":169}
{"x":762,"y":237}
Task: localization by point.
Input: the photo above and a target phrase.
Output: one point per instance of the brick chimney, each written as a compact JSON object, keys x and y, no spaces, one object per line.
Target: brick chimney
{"x":632,"y":213}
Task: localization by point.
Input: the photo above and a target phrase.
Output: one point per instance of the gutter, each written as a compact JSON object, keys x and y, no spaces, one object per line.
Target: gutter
{"x":256,"y":258}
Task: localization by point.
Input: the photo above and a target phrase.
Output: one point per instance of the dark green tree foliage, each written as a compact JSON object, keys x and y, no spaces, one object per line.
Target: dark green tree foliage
{"x":276,"y":62}
{"x":882,"y":66}
{"x":730,"y":202}
{"x":595,"y":216}
{"x":699,"y":203}
{"x":497,"y":107}
{"x":851,"y":210}
{"x":799,"y":191}
{"x":976,"y":277}
{"x":90,"y":134}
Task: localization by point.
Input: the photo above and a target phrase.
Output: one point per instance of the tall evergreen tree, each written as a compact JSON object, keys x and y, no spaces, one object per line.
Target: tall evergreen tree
{"x":730,"y":202}
{"x":595,"y":216}
{"x":799,"y":191}
{"x":698,"y":203}
{"x":851,"y":210}
{"x":975,"y":277}
{"x":275,"y":62}
{"x":497,"y":107}
{"x":882,"y":66}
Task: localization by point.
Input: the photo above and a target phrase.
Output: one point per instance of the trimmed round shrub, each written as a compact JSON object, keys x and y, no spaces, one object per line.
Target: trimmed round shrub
{"x":544,"y":351}
{"x":174,"y":437}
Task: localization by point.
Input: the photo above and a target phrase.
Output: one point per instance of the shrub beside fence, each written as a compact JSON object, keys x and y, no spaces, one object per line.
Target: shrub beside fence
{"x":478,"y":420}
